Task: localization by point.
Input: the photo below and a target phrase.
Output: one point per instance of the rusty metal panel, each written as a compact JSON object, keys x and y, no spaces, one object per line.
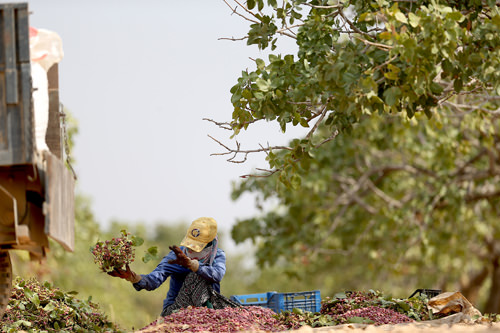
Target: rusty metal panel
{"x":9,"y":42}
{"x":8,"y":217}
{"x":16,"y":116}
{"x":59,"y":202}
{"x":53,"y":137}
{"x":4,"y":143}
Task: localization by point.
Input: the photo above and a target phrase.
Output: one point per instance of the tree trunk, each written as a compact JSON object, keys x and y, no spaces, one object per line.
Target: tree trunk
{"x":493,"y":303}
{"x":471,"y":289}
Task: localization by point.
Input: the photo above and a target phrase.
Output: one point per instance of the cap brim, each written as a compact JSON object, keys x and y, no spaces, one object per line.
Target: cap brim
{"x":192,"y":244}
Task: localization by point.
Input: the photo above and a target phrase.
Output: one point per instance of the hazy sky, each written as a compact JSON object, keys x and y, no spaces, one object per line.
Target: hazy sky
{"x":139,"y":77}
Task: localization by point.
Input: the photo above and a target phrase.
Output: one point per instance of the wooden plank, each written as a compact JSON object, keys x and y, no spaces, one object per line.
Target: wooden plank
{"x":53,"y":136}
{"x":59,"y":200}
{"x":8,"y":216}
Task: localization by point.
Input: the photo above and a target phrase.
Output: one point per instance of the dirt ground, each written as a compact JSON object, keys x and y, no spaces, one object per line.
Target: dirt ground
{"x":400,"y":328}
{"x":431,"y":327}
{"x":405,"y":328}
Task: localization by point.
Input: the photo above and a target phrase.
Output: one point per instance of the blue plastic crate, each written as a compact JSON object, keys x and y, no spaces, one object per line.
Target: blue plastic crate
{"x":252,"y":299}
{"x":306,"y":301}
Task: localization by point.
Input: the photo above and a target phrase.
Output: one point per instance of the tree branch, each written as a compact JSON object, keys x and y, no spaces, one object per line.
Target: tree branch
{"x":235,"y":11}
{"x":224,"y":125}
{"x":353,"y":27}
{"x":238,"y":151}
{"x":315,"y":127}
{"x":377,"y":45}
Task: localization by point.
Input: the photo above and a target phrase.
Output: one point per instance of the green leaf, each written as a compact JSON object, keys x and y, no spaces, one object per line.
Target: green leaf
{"x":456,"y":16}
{"x":404,"y":306}
{"x":262,"y":84}
{"x":340,"y":295}
{"x":137,"y":241}
{"x":260,"y":64}
{"x":391,"y":75}
{"x":35,"y":300}
{"x":414,"y":20}
{"x":401,"y":17}
{"x":250,"y":4}
{"x":28,"y":293}
{"x":458,"y":84}
{"x":24,"y":323}
{"x":436,"y":88}
{"x":392,"y":95}
{"x":393,"y":68}
{"x":272,"y":3}
{"x":295,"y":181}
{"x":151,"y":254}
{"x":49,"y":307}
{"x":366,"y":16}
{"x":385,"y":35}
{"x":359,"y":320}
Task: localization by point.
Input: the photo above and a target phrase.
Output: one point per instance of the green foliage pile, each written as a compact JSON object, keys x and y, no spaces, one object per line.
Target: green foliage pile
{"x":37,"y":307}
{"x":339,"y":309}
{"x":414,"y":307}
{"x":371,"y":307}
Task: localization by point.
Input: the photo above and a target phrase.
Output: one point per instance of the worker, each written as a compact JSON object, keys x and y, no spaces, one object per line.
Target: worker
{"x":195,"y":269}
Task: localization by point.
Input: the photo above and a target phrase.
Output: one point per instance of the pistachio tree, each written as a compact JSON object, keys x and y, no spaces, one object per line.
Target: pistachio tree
{"x":358,"y":58}
{"x":401,"y":160}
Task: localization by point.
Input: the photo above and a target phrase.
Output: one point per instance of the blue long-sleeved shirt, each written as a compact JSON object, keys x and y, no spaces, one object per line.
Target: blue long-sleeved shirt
{"x":213,"y":273}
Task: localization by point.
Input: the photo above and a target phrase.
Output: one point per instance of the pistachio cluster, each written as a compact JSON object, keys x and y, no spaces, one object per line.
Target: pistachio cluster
{"x":115,"y":253}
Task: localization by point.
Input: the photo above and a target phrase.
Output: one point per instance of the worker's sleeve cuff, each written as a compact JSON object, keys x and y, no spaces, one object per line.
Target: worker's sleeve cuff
{"x":194,"y":265}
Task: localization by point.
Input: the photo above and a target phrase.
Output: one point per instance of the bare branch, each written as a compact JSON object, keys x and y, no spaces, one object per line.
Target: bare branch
{"x":471,"y":107}
{"x":315,"y":127}
{"x":481,"y":196}
{"x":330,"y":138}
{"x":385,"y":63}
{"x":377,"y":45}
{"x":235,"y":11}
{"x":284,"y":33}
{"x":238,"y":151}
{"x":461,"y":170}
{"x":224,"y":125}
{"x":268,"y":173}
{"x":390,"y":201}
{"x":232,"y":38}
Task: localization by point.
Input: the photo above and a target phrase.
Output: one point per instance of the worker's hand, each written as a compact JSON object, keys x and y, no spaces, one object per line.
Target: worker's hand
{"x":125,"y":274}
{"x":182,"y":259}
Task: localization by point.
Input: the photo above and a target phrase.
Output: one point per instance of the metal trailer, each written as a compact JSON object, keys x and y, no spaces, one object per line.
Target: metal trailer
{"x":36,"y":188}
